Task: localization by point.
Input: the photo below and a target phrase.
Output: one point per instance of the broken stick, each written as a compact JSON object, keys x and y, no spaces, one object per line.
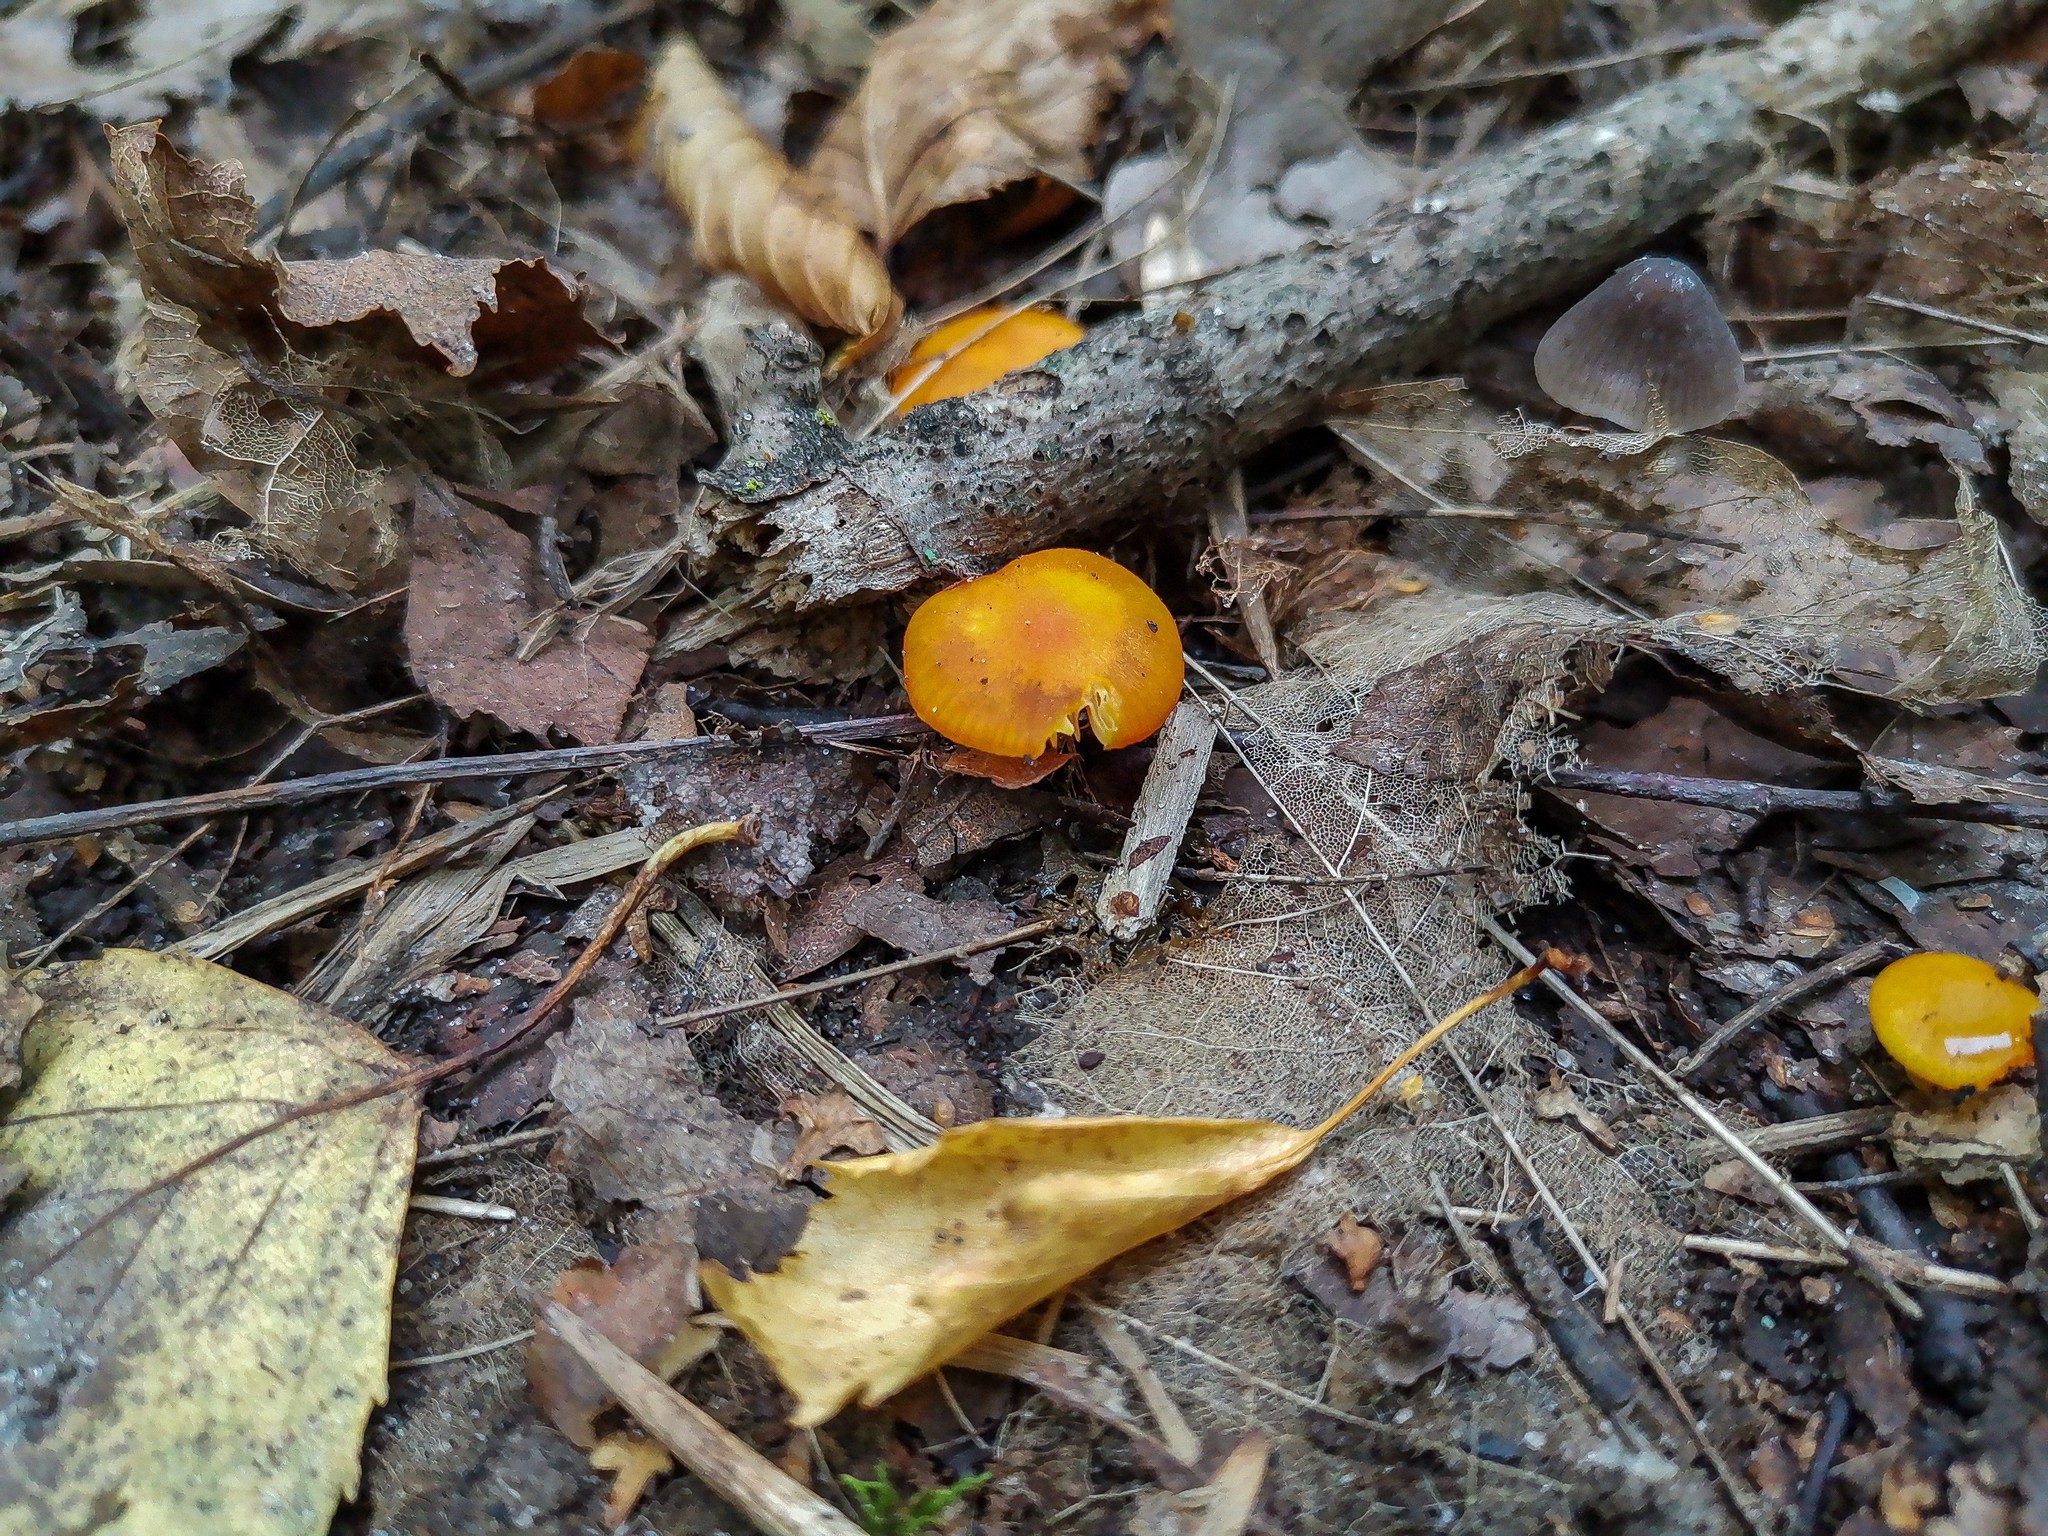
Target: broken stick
{"x":1152,"y":409}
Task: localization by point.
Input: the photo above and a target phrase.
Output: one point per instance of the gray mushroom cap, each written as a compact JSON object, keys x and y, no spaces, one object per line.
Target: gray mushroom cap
{"x":1650,"y":335}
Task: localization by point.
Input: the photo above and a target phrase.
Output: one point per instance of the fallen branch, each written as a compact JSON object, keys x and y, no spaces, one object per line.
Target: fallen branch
{"x":352,"y":781}
{"x":1154,"y":408}
{"x":1906,"y":1268}
{"x":854,"y":978}
{"x":1754,"y":799}
{"x":1813,"y":981}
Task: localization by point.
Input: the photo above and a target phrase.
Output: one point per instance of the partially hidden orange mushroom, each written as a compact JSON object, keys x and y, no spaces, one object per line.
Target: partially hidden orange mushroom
{"x":1952,"y":1021}
{"x":1011,"y":663}
{"x":988,"y":348}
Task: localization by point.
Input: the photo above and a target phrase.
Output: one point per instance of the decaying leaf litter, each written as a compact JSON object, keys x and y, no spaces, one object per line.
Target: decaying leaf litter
{"x":421,"y":390}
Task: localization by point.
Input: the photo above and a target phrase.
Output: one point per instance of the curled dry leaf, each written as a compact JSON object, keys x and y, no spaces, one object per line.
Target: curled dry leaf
{"x":751,"y":212}
{"x":523,"y":316}
{"x":830,"y":1122}
{"x":970,"y":96}
{"x":250,"y":363}
{"x":1357,"y":1248}
{"x":1976,"y":1139}
{"x":917,"y":1254}
{"x":208,"y":1338}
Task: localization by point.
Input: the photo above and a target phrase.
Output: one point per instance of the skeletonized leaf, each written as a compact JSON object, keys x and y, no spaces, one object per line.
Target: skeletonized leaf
{"x":751,"y":212}
{"x":201,"y":1356}
{"x":972,"y":95}
{"x":918,"y":1254}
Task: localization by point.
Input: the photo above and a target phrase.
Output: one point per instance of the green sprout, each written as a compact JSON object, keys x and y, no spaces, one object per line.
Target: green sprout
{"x":883,"y":1511}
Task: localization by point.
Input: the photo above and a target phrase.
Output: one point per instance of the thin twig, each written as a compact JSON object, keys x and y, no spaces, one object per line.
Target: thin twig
{"x":1399,"y":1436}
{"x":1755,"y":799}
{"x":466,"y":1210}
{"x":327,"y":786}
{"x":834,"y":983}
{"x":1704,"y":1113}
{"x":1887,"y":1263}
{"x":1990,"y":327}
{"x":487,"y":1148}
{"x":1814,"y":1492}
{"x":775,"y":1502}
{"x":449,"y":1356}
{"x":335,"y":167}
{"x":1858,"y":959}
{"x":1232,"y":877}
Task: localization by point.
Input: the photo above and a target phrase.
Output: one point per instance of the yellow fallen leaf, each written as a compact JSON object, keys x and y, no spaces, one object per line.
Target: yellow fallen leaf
{"x":917,"y":1254}
{"x":751,"y":212}
{"x":195,"y":1353}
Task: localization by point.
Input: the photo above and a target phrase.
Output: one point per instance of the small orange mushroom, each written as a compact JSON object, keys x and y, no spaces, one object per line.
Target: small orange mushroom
{"x":1027,"y":337}
{"x":1952,"y":1021}
{"x":1009,"y":663}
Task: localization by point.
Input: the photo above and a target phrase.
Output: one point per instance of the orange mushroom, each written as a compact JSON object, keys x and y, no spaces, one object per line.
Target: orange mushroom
{"x":1952,"y":1021}
{"x":1009,"y":663}
{"x":1027,"y":337}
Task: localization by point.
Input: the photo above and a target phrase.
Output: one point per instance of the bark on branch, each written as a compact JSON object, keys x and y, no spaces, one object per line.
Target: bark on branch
{"x":1151,"y":408}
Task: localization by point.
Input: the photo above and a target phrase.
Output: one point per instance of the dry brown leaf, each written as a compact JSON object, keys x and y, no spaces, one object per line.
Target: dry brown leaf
{"x":643,"y":1304}
{"x":249,"y":363}
{"x":523,"y":317}
{"x":1990,"y":1131}
{"x":917,"y":1254}
{"x":971,"y":96}
{"x":190,"y":222}
{"x":475,"y":589}
{"x":831,"y":1122}
{"x":918,"y":925}
{"x":753,"y":213}
{"x":634,"y":1461}
{"x":1005,"y":772}
{"x":1965,"y":236}
{"x":1357,"y":1248}
{"x":589,"y":91}
{"x":1556,"y":1101}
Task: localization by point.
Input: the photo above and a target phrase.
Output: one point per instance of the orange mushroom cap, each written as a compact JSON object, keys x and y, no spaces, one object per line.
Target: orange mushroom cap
{"x":1952,"y":1021}
{"x":1007,"y":663}
{"x":1027,"y":337}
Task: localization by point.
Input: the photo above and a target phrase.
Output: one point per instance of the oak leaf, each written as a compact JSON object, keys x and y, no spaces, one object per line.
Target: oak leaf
{"x":971,"y":96}
{"x":753,"y":213}
{"x":918,"y":1254}
{"x":249,"y":363}
{"x":188,"y":1345}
